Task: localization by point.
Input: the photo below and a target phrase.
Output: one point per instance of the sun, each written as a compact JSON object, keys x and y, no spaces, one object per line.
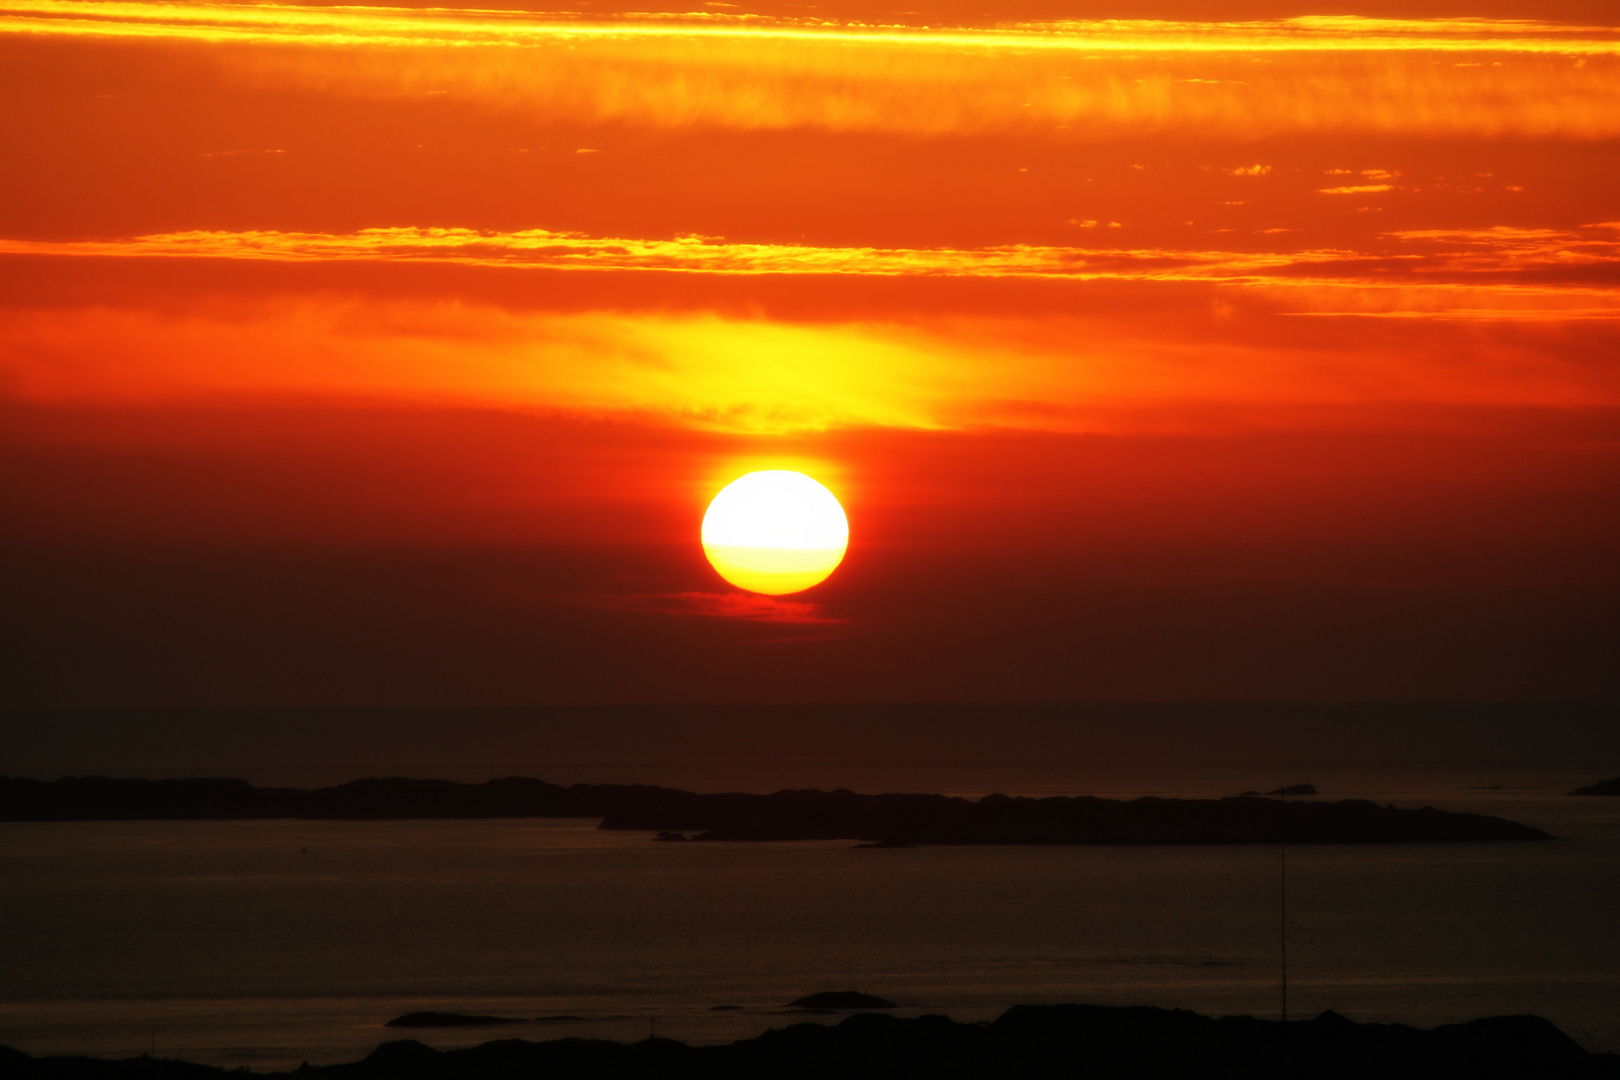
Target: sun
{"x":775,"y":532}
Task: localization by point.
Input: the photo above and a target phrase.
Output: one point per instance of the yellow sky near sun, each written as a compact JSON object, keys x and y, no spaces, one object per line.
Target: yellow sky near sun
{"x":747,"y":375}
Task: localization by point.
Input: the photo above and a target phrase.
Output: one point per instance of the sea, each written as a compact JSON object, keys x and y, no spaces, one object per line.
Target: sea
{"x":266,"y":944}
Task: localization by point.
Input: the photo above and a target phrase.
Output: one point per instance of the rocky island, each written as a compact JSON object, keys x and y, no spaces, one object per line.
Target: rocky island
{"x":1602,"y":787}
{"x":889,"y":821}
{"x":1028,"y":1041}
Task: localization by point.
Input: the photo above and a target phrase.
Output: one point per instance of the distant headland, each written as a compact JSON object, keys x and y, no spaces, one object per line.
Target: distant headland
{"x":1602,"y":787}
{"x":1105,"y":1043}
{"x":892,"y":821}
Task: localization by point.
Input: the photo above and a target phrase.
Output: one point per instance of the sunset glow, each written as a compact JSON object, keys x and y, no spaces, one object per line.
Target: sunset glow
{"x":743,"y":538}
{"x":1103,"y":320}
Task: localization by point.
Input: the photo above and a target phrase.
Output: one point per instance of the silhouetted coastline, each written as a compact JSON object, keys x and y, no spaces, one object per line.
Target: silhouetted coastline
{"x":892,"y":820}
{"x":1027,"y":1041}
{"x":1602,"y":787}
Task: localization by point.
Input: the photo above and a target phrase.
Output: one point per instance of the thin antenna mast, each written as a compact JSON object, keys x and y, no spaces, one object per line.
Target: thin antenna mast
{"x":1282,"y":890}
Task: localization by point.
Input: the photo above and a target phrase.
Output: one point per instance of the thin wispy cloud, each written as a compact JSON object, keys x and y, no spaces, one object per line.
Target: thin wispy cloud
{"x":744,"y":607}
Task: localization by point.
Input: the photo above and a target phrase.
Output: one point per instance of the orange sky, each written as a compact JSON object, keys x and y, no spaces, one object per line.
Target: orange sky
{"x":1198,"y":350}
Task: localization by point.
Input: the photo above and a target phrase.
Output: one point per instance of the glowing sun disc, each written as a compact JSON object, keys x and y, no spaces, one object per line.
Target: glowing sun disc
{"x":775,"y":532}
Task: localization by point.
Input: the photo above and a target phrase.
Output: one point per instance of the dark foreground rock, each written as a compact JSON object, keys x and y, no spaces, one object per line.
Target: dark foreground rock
{"x":447,"y":1020}
{"x":842,"y":999}
{"x":1029,"y":1042}
{"x":1602,"y":787}
{"x":891,"y":820}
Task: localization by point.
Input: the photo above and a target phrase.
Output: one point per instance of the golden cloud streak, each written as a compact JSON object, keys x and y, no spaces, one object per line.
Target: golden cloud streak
{"x":1414,"y":258}
{"x":541,"y":248}
{"x":1065,"y":80}
{"x":350,"y":24}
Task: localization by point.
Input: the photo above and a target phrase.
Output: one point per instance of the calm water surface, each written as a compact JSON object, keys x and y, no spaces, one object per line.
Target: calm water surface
{"x":270,"y":943}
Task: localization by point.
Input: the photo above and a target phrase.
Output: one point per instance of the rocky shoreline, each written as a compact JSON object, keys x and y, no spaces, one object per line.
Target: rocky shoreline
{"x":1028,"y":1042}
